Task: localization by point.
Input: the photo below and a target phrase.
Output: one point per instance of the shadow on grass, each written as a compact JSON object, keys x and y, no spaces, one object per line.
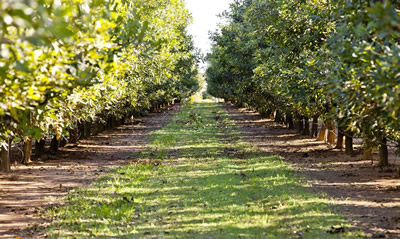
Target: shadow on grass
{"x":205,"y":188}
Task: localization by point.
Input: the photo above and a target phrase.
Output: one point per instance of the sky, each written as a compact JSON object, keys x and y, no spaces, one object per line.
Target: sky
{"x":204,"y":13}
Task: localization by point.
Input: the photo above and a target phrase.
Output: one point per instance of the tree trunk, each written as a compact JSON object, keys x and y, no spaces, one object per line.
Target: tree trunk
{"x":383,"y":154}
{"x":27,"y":150}
{"x":54,"y":145}
{"x":322,"y":133}
{"x":5,"y":158}
{"x":73,"y":135}
{"x":98,"y":127}
{"x":306,"y":126}
{"x":367,"y":154}
{"x":278,"y":116}
{"x":340,"y":139}
{"x":300,"y":125}
{"x":39,"y":147}
{"x":62,"y":142}
{"x":314,"y":128}
{"x":349,"y":143}
{"x":331,"y":132}
{"x":115,"y":121}
{"x":81,"y":130}
{"x":271,"y":116}
{"x":86,"y":129}
{"x":289,"y":121}
{"x":266,"y":113}
{"x":108,"y":122}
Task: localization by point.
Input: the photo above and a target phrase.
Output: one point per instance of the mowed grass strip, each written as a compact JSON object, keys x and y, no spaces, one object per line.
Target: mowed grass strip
{"x":197,"y":180}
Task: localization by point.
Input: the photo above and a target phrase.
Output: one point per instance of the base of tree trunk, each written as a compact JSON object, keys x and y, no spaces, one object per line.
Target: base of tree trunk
{"x":383,"y":154}
{"x":349,"y":143}
{"x":122,"y":120}
{"x":340,"y":139}
{"x":322,"y":133}
{"x":73,"y":135}
{"x":300,"y":125}
{"x":367,"y":154}
{"x":115,"y":121}
{"x":314,"y":127}
{"x":81,"y":131}
{"x":98,"y":127}
{"x":62,"y":142}
{"x":40,"y":147}
{"x":331,"y":132}
{"x":5,"y":160}
{"x":27,"y":151}
{"x":54,"y":145}
{"x":306,"y":130}
{"x":331,"y":137}
{"x":87,"y":129}
{"x":289,"y":121}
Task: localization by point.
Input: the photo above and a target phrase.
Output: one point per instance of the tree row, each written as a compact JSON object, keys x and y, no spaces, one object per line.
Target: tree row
{"x":69,"y":66}
{"x":336,"y":61}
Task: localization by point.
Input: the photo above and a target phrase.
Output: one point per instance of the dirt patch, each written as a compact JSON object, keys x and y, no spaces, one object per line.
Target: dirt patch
{"x":28,"y":189}
{"x":366,"y":194}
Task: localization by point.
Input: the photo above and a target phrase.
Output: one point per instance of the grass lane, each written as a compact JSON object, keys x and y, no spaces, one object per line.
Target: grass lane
{"x":198,"y":180}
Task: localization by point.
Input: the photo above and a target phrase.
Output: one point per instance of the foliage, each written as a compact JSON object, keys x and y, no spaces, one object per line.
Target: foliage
{"x":337,"y":59}
{"x":64,"y":62}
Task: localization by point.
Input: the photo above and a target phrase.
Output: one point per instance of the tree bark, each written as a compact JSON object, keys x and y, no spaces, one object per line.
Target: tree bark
{"x":73,"y":135}
{"x":340,"y":139}
{"x":266,"y":113}
{"x":383,"y":154}
{"x":81,"y":130}
{"x":306,"y":130}
{"x":278,"y":116}
{"x":314,"y":128}
{"x":289,"y":121}
{"x":349,"y":143}
{"x":367,"y":154}
{"x":115,"y":121}
{"x":5,"y":158}
{"x":108,"y":122}
{"x":331,"y":132}
{"x":39,"y":147}
{"x":271,"y":116}
{"x":54,"y":145}
{"x":87,"y":129}
{"x":98,"y":127}
{"x":27,"y":150}
{"x":322,"y":133}
{"x":62,"y":142}
{"x":300,"y":125}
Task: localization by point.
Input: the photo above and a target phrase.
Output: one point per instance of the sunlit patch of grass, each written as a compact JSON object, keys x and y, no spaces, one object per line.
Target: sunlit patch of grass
{"x":209,"y":185}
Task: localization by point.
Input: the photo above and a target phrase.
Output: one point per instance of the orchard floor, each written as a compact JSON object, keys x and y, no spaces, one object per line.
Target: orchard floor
{"x":28,"y":189}
{"x":366,"y":194}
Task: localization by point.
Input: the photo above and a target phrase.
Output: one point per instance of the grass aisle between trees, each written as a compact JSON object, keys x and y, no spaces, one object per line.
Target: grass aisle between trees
{"x":198,"y":180}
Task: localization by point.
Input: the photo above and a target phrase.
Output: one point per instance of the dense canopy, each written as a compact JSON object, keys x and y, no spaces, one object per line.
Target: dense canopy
{"x":72,"y":61}
{"x":337,"y":60}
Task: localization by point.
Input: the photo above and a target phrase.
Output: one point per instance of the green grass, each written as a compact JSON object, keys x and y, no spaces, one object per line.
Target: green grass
{"x":197,"y":180}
